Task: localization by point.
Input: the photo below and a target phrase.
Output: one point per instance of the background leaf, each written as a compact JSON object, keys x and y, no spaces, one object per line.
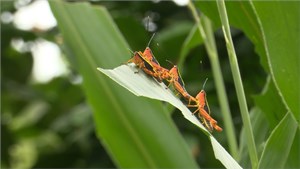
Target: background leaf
{"x":267,"y":40}
{"x":292,"y":161}
{"x":241,"y":16}
{"x":191,"y":41}
{"x":275,"y":112}
{"x":261,"y":129}
{"x":284,"y":62}
{"x":279,"y":143}
{"x":258,"y":23}
{"x":127,"y":131}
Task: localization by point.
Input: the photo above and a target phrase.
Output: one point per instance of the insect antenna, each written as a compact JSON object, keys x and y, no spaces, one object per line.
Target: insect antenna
{"x":150,"y":39}
{"x":170,"y":62}
{"x":147,"y":28}
{"x":130,"y":51}
{"x":204,"y":83}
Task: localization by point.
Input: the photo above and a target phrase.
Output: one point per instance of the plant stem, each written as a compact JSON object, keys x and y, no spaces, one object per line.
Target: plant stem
{"x":222,"y":96}
{"x":238,"y":83}
{"x":210,"y":45}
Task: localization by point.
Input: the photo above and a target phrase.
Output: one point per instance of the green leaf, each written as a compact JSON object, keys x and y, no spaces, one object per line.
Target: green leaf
{"x":142,"y":85}
{"x":260,"y":128}
{"x":271,"y":27}
{"x":293,"y":159}
{"x":192,"y":40}
{"x":281,"y":31}
{"x":274,"y":112}
{"x":241,"y":16}
{"x":170,"y":40}
{"x":279,"y":144}
{"x":136,"y":132}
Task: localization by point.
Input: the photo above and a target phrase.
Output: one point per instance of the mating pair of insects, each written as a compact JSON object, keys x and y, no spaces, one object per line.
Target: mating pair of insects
{"x":148,"y":63}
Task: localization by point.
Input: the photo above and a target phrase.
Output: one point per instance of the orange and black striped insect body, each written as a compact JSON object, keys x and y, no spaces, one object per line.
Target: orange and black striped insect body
{"x":204,"y":111}
{"x":148,"y":63}
{"x":150,"y":56}
{"x":176,"y":80}
{"x":145,"y":58}
{"x":161,"y":72}
{"x":140,"y":60}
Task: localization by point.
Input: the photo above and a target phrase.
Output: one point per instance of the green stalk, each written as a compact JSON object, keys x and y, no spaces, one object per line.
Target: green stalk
{"x":210,"y":45}
{"x":238,"y":83}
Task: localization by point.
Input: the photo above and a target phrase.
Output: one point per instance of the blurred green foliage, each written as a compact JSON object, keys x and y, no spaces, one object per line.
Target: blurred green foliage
{"x":50,"y":125}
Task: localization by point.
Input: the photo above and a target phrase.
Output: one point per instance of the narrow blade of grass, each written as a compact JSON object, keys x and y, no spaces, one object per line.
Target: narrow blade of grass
{"x":207,"y":35}
{"x":238,"y":83}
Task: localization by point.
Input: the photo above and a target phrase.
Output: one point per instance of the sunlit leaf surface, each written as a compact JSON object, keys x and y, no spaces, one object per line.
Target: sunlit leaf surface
{"x":142,"y":85}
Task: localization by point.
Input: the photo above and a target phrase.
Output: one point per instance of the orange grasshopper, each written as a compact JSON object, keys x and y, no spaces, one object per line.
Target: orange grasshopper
{"x":142,"y":63}
{"x":162,"y":72}
{"x":148,"y":63}
{"x":204,"y":111}
{"x":148,"y":53}
{"x":176,"y":79}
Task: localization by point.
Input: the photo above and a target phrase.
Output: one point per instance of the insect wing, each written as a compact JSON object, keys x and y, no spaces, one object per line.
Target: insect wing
{"x":147,"y":64}
{"x":149,"y":55}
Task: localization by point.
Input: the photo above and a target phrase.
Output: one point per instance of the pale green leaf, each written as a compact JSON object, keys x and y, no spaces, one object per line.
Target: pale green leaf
{"x":142,"y":85}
